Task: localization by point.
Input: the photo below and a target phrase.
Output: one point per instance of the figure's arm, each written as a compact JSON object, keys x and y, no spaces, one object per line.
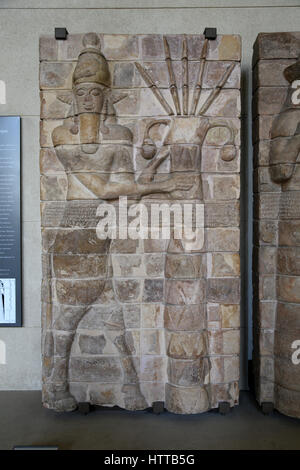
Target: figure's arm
{"x":147,"y":175}
{"x":284,"y":146}
{"x":111,"y":190}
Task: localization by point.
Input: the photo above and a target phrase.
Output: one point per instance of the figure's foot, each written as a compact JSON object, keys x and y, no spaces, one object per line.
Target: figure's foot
{"x":66,"y":403}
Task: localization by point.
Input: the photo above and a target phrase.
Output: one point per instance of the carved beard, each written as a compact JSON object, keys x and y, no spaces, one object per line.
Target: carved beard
{"x":90,"y":123}
{"x":89,"y":127}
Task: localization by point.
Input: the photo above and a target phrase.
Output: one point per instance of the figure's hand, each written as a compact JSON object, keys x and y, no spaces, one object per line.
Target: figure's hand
{"x":193,"y":191}
{"x":281,"y":172}
{"x":148,"y":173}
{"x":282,"y":158}
{"x":161,"y":155}
{"x":177,"y":182}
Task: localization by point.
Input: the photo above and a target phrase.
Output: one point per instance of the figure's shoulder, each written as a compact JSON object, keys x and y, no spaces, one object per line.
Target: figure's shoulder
{"x":62,"y":135}
{"x":118,"y":133}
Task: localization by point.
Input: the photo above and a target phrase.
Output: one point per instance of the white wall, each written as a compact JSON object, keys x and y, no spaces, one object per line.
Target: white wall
{"x":21,"y":24}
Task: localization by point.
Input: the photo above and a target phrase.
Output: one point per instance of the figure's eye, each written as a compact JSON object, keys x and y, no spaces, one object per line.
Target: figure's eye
{"x":80,"y":92}
{"x":95,"y":92}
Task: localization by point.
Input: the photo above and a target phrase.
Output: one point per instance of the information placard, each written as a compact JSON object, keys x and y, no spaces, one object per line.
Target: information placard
{"x":10,"y":223}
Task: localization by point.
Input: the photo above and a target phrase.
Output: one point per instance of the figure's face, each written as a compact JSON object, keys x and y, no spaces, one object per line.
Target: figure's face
{"x":89,"y":97}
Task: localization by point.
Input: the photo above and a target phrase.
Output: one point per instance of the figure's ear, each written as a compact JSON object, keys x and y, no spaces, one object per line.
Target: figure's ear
{"x":65,"y":97}
{"x":116,"y":97}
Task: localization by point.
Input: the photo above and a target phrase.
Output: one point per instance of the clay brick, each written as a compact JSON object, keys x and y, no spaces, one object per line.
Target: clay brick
{"x":126,"y":321}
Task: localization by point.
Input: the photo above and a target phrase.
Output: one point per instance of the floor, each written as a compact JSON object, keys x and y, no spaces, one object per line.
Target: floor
{"x":23,"y":421}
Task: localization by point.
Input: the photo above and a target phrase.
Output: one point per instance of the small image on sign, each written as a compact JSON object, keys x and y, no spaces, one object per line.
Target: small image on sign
{"x":7,"y":301}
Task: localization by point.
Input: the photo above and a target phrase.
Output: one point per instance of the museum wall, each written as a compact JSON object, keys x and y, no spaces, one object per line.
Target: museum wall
{"x":21,"y":25}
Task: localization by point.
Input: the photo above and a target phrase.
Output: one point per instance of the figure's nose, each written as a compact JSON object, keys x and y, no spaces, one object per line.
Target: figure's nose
{"x":87,"y":98}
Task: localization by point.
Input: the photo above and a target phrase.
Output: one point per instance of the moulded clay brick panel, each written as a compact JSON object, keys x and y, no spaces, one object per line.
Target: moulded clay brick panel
{"x":131,"y":47}
{"x":58,"y":75}
{"x":129,"y":322}
{"x":276,"y":227}
{"x":276,"y":46}
{"x":182,"y":133}
{"x":269,"y":73}
{"x":216,"y":214}
{"x":261,"y":151}
{"x":262,"y":128}
{"x":262,"y":181}
{"x":269,"y":100}
{"x":140,"y":102}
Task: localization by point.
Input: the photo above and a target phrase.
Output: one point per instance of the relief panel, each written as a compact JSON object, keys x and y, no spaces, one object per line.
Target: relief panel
{"x":131,"y":320}
{"x":276,"y":262}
